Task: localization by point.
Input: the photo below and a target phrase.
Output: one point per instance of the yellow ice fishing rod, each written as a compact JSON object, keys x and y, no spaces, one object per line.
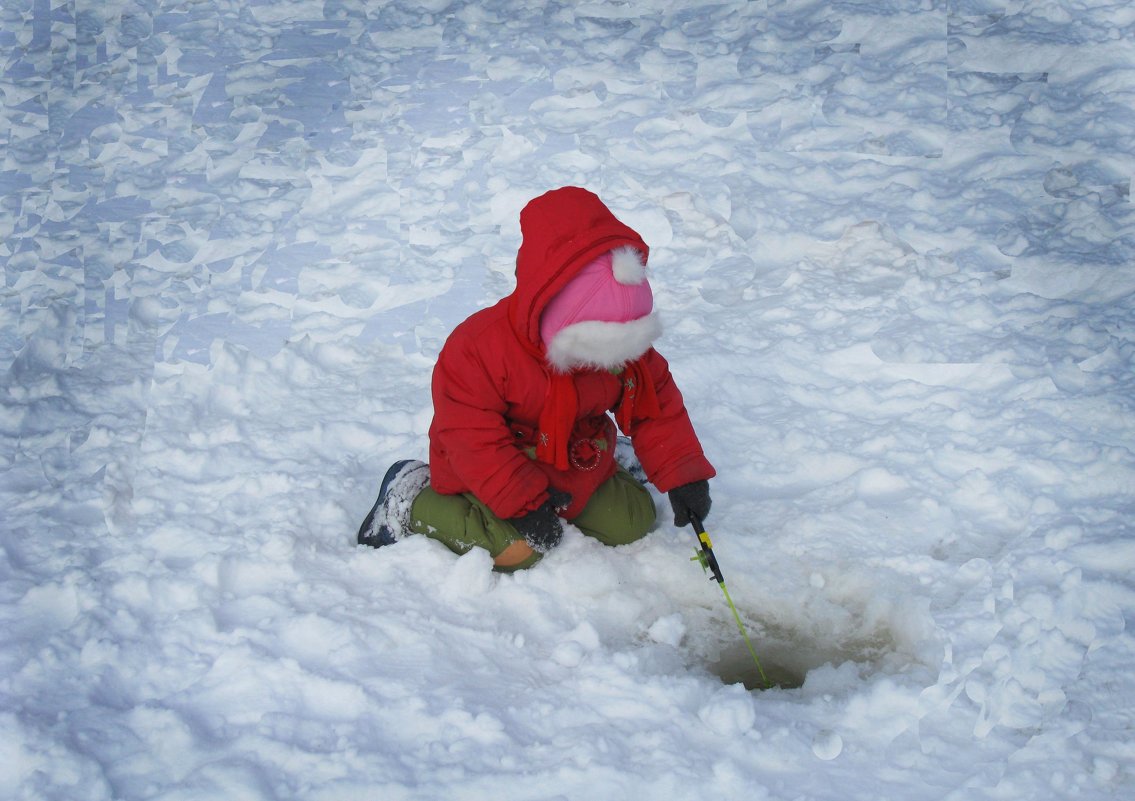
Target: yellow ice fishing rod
{"x":709,"y":564}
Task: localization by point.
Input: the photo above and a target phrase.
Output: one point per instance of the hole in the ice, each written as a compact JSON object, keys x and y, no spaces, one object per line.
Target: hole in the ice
{"x":786,"y":657}
{"x":824,"y":641}
{"x":735,"y":665}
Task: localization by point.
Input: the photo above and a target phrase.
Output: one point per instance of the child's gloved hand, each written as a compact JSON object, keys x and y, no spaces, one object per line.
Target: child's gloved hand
{"x":690,"y":500}
{"x":542,"y":528}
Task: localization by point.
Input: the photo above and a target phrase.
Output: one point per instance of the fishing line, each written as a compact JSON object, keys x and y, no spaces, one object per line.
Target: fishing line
{"x":708,"y":561}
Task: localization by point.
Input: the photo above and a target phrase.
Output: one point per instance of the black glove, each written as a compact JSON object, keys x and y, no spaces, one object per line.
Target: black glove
{"x":690,"y":500}
{"x":542,"y":528}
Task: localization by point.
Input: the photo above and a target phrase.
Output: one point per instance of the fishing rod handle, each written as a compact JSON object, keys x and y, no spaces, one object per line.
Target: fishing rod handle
{"x":707,"y":548}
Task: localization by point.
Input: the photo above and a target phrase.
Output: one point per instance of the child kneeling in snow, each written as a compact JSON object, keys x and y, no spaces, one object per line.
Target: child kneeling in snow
{"x":521,"y":437}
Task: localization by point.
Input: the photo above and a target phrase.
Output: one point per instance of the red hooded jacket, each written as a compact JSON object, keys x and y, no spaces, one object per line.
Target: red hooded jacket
{"x":496,"y":398}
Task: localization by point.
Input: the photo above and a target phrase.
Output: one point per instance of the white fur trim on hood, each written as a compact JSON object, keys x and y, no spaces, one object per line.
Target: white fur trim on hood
{"x":603,"y":346}
{"x":627,"y":266}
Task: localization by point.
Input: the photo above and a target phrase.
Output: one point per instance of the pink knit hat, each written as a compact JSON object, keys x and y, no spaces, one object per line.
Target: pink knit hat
{"x":611,"y":289}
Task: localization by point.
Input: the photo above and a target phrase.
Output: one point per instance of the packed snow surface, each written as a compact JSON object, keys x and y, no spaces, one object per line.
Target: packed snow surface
{"x":894,"y":248}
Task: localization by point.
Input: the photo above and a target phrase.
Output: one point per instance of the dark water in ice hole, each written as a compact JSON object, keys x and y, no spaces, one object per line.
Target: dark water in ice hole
{"x":787,"y":661}
{"x":735,"y":665}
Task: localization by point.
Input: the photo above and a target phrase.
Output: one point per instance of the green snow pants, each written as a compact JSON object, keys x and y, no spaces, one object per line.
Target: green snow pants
{"x":621,"y":511}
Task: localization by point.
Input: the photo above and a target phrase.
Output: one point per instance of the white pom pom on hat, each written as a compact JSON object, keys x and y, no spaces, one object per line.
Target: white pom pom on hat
{"x":627,"y":266}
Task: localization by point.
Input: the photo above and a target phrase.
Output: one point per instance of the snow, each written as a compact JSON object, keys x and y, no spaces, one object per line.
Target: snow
{"x":893,"y":247}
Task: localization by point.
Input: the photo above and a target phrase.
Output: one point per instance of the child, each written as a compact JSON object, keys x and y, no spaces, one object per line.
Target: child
{"x":521,"y":437}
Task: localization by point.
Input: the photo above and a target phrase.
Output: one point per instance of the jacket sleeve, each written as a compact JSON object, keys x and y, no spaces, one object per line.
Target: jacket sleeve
{"x":471,"y":433}
{"x":666,"y":444}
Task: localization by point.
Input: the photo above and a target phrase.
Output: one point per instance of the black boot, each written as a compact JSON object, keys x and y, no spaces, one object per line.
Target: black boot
{"x":389,"y":518}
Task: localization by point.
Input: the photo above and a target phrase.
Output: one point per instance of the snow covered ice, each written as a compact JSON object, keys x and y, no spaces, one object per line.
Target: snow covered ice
{"x":894,"y":247}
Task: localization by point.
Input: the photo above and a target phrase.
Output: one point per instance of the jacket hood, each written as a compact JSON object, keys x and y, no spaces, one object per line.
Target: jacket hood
{"x":562,"y":231}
